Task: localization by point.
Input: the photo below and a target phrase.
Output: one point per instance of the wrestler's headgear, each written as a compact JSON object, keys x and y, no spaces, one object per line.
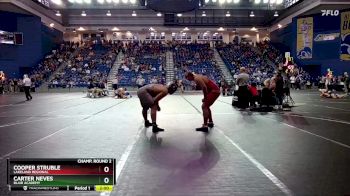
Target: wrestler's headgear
{"x":172,"y":87}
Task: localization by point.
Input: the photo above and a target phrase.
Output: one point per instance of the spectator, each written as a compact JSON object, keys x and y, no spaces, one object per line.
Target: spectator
{"x":254,"y":95}
{"x":140,"y":82}
{"x":279,"y":90}
{"x":1,"y":87}
{"x":154,"y":80}
{"x":347,"y":82}
{"x":115,"y":83}
{"x":243,"y":93}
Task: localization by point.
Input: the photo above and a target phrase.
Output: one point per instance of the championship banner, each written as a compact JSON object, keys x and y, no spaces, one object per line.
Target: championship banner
{"x":305,"y":33}
{"x":345,"y":36}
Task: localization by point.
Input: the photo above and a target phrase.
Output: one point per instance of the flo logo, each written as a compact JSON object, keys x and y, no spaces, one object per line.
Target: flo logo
{"x":330,"y":12}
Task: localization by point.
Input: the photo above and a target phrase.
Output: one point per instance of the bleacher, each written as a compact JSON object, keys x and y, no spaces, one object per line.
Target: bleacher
{"x":270,"y":52}
{"x":94,"y":61}
{"x":51,"y":62}
{"x":138,"y":58}
{"x":242,"y":55}
{"x":198,"y":58}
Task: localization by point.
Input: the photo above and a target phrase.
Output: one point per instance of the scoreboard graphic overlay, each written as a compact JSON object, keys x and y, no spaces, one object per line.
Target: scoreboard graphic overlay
{"x":85,"y":174}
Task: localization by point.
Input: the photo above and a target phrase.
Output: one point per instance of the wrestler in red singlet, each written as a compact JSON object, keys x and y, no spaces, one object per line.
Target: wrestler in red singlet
{"x":211,"y":92}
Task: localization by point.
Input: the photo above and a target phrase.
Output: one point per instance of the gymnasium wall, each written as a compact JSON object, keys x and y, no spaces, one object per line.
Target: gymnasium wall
{"x":325,"y":54}
{"x":38,"y":40}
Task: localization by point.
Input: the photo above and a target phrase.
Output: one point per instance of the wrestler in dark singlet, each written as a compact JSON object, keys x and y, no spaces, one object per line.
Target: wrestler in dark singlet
{"x":149,"y":96}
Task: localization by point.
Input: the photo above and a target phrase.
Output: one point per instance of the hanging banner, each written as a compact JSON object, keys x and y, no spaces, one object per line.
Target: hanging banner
{"x":305,"y":33}
{"x":326,"y":37}
{"x":345,"y":36}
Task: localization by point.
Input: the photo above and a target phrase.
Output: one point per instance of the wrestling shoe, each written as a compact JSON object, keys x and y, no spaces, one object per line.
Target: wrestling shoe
{"x":156,"y":129}
{"x":147,"y":123}
{"x":203,"y":129}
{"x":210,"y":124}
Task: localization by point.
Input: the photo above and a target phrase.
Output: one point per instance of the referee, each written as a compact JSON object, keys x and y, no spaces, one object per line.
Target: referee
{"x":27,"y":84}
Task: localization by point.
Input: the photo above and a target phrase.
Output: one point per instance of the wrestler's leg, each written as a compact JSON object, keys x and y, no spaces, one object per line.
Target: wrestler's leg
{"x":155,"y":127}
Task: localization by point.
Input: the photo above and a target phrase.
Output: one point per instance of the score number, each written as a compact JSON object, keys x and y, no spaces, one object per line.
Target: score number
{"x":106,"y":170}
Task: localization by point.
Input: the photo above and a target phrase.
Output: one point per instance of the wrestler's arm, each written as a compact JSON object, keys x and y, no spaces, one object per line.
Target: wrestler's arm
{"x":161,"y":92}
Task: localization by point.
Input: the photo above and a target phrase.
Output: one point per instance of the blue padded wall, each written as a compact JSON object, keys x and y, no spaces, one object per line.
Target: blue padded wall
{"x":38,"y":40}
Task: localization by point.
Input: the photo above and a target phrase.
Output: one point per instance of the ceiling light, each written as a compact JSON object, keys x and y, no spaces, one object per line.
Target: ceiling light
{"x":52,"y":24}
{"x":221,"y":29}
{"x":159,"y":14}
{"x":276,"y":14}
{"x":133,"y":1}
{"x":279,"y":26}
{"x":125,"y":1}
{"x":214,"y":1}
{"x":253,"y":29}
{"x":179,"y":15}
{"x":109,"y":13}
{"x":228,"y":14}
{"x":173,"y":34}
{"x":57,"y":2}
{"x":204,"y":14}
{"x":235,"y":1}
{"x":79,"y":1}
{"x":83,"y":13}
{"x":162,"y":33}
{"x":251,"y":14}
{"x":101,"y":1}
{"x":278,"y":2}
{"x":71,"y":1}
{"x":186,"y":29}
{"x":151,"y":29}
{"x":81,"y":29}
{"x":272,"y":1}
{"x":101,"y":31}
{"x":221,"y":1}
{"x":133,"y":13}
{"x":115,"y":29}
{"x":265,"y":1}
{"x":246,"y":35}
{"x":109,"y":1}
{"x":206,"y":1}
{"x":87,"y":1}
{"x":58,"y":13}
{"x":115,"y":1}
{"x":229,"y":1}
{"x":257,"y":1}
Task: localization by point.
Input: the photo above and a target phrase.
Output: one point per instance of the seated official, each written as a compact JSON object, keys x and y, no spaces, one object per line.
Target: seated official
{"x":267,"y":95}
